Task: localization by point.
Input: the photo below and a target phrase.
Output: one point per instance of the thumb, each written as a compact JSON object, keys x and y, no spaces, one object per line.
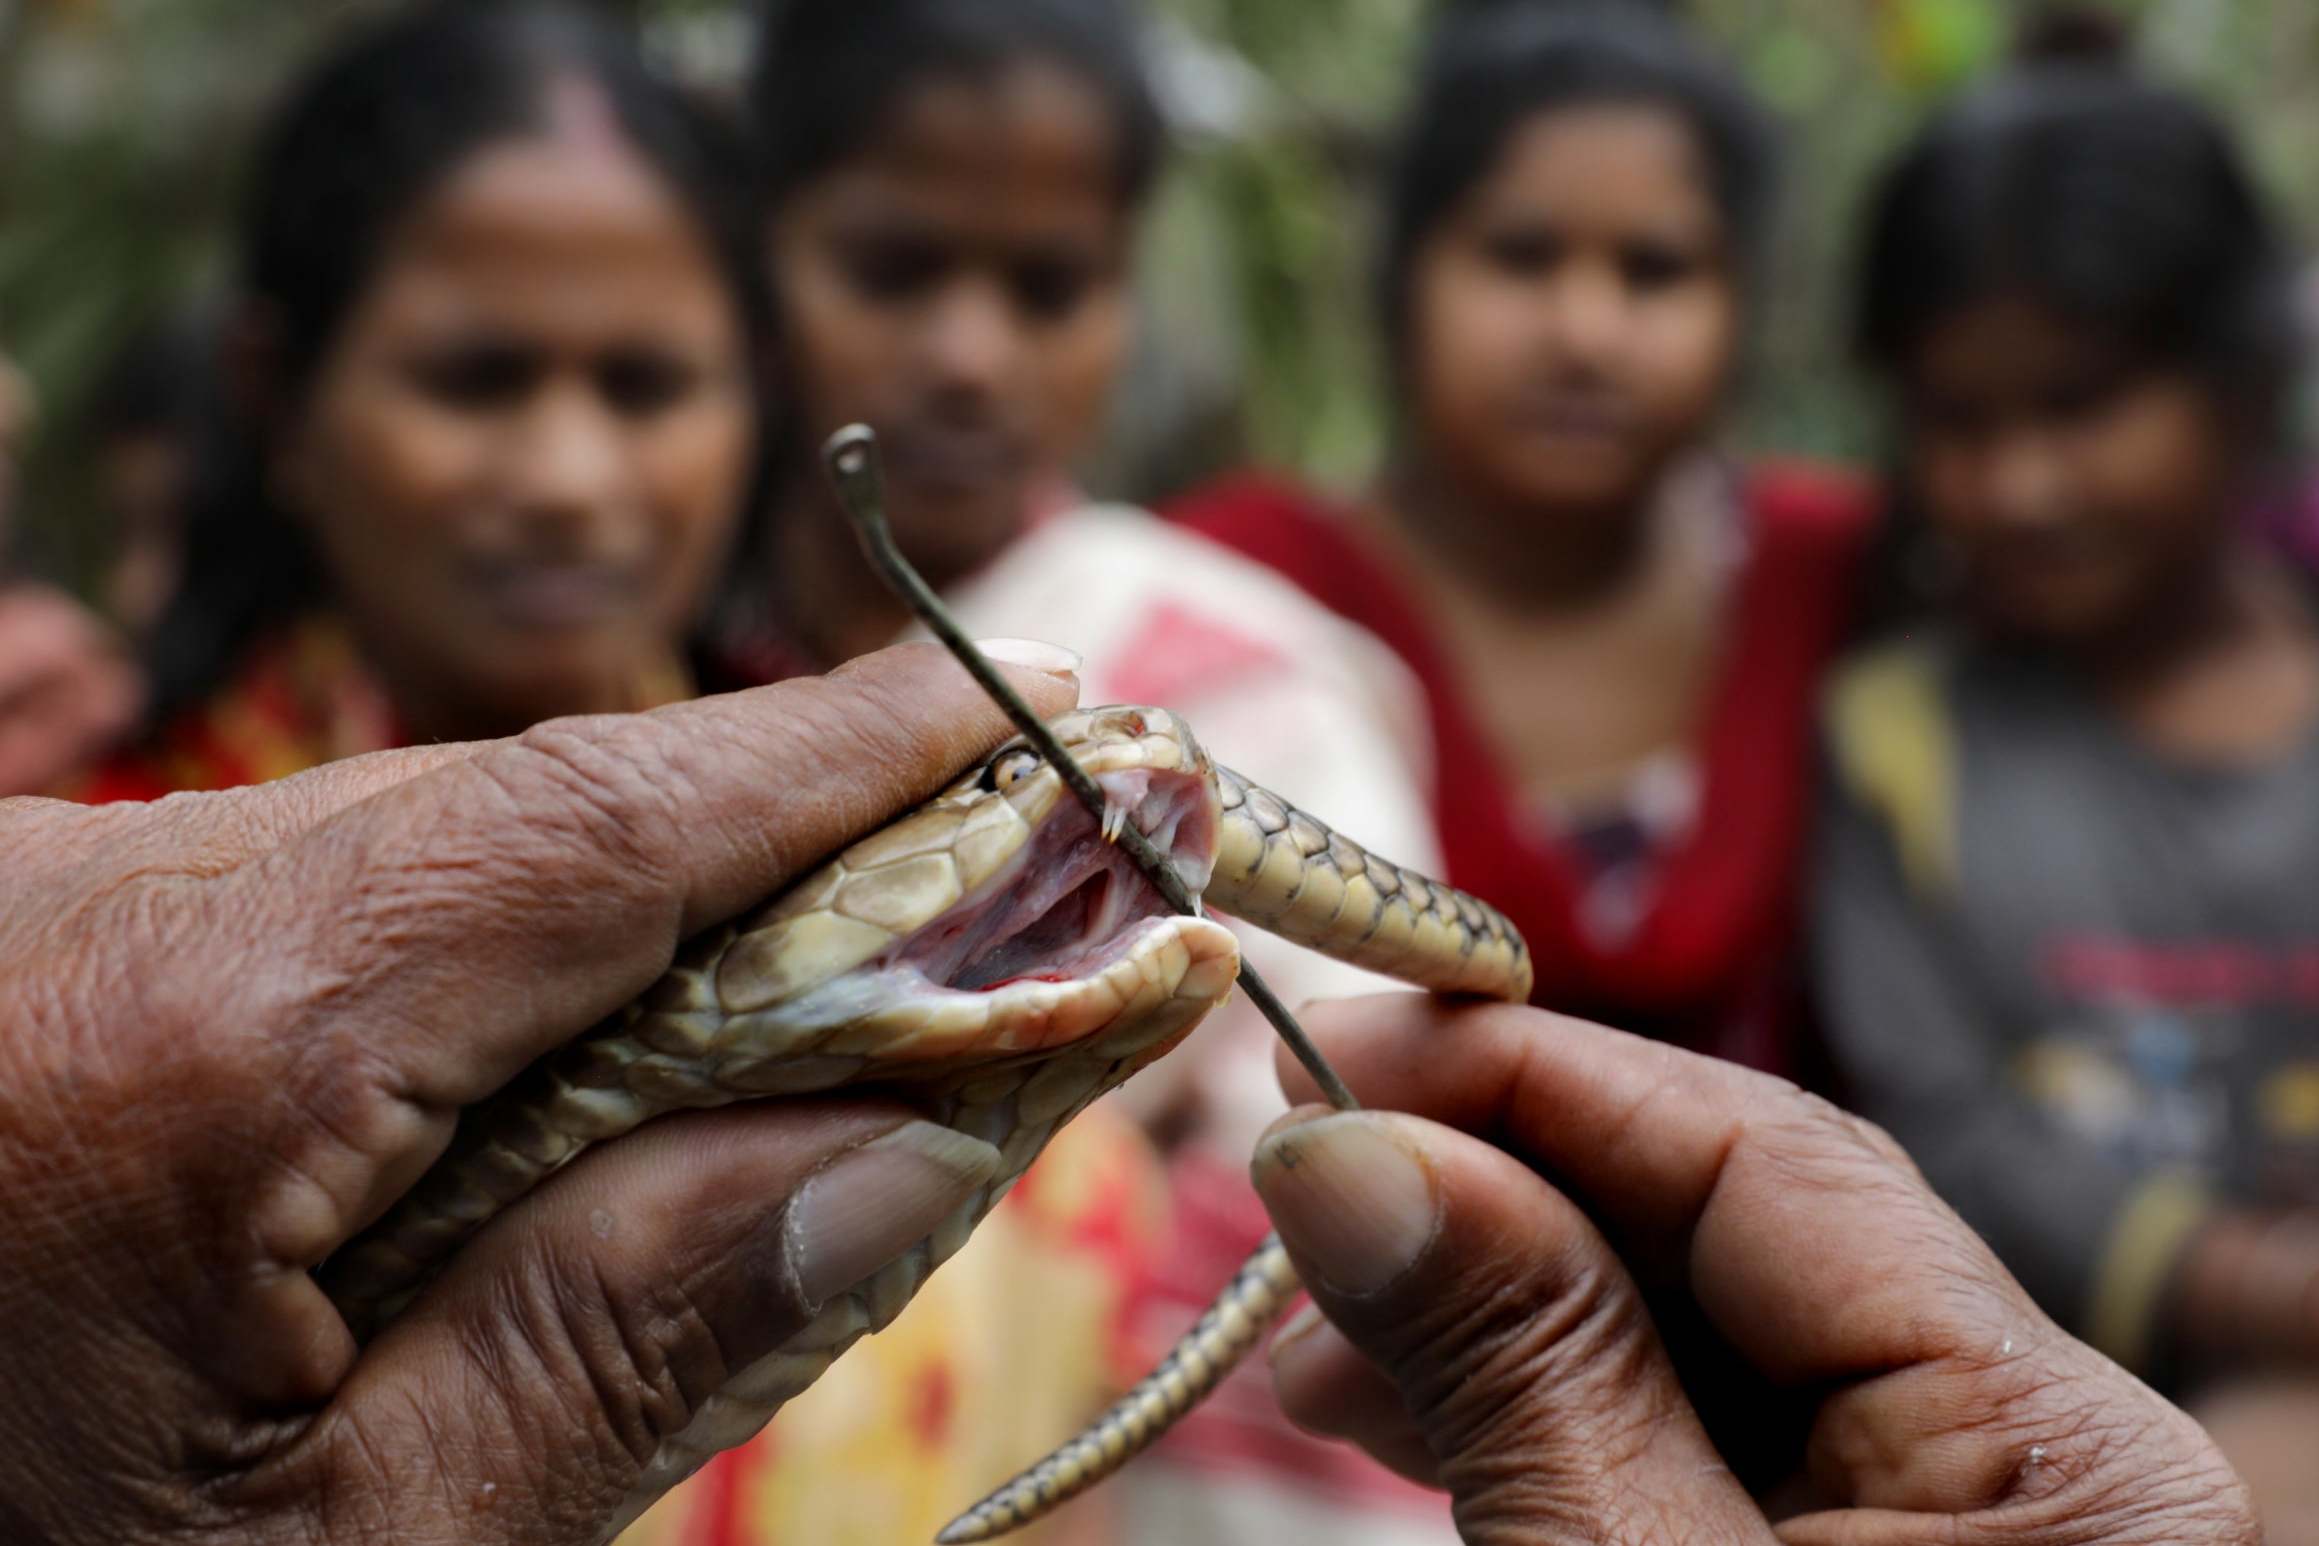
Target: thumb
{"x":1516,"y":1342}
{"x":642,"y":1309}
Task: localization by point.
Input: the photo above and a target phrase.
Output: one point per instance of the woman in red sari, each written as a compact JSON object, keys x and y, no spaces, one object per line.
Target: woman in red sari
{"x":1620,"y":634}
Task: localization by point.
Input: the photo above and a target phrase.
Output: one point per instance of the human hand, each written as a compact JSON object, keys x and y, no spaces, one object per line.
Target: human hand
{"x":234,"y":1027}
{"x":1493,"y":1313}
{"x":66,"y":692}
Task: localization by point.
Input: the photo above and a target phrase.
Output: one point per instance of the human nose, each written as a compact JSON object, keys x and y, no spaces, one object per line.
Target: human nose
{"x":2026,"y":478}
{"x":1587,"y":308}
{"x":566,"y":459}
{"x":974,"y":338}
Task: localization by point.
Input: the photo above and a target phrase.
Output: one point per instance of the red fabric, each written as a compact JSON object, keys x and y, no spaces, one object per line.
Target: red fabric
{"x":1709,"y":966}
{"x":121,"y":778}
{"x":300,"y":699}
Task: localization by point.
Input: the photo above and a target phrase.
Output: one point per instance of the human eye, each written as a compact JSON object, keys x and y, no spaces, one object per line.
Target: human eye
{"x":1050,"y":288}
{"x":2082,"y":396}
{"x":1656,"y":265}
{"x":891,"y":267}
{"x":639,"y":382}
{"x":476,"y":374}
{"x":1524,"y":251}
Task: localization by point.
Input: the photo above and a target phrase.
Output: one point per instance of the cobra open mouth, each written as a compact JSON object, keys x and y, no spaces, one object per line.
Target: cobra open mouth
{"x":1066,"y":941}
{"x":1070,"y":902}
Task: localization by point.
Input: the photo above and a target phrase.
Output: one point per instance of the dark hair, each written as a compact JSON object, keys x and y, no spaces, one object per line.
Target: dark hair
{"x":2113,"y":201}
{"x":2080,"y":33}
{"x":1489,"y":68}
{"x":152,"y":383}
{"x":830,"y":72}
{"x":362,"y":139}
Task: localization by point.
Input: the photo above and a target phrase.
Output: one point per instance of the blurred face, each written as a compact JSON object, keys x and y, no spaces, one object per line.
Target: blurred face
{"x":1572,"y":323}
{"x":2076,"y":485}
{"x":960,"y":286}
{"x":527,"y":448}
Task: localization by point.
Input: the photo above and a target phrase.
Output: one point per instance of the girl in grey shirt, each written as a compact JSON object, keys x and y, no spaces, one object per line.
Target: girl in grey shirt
{"x":2066,"y":921}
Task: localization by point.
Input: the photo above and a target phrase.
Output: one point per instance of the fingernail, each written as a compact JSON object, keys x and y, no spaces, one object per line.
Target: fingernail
{"x":1033,"y":654}
{"x":870,"y":1205}
{"x":1308,"y":1338}
{"x":1297,"y":1327}
{"x":1351,"y":1200}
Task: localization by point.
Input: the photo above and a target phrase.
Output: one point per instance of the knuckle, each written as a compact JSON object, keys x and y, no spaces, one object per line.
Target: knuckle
{"x":98,"y":1025}
{"x":1811,"y":1143}
{"x":869,"y":728}
{"x":607,"y":780}
{"x":1500,"y":1502}
{"x":547,"y":1378}
{"x":1484,"y":1357}
{"x":375,"y":1456}
{"x":851,"y":753}
{"x":350,"y":1117}
{"x":2120,"y":1477}
{"x":630,"y":1365}
{"x":2056,"y":1443}
{"x":1884,"y":1146}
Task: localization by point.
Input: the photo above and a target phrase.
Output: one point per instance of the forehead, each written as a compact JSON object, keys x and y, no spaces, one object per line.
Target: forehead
{"x":576,"y":233}
{"x":1024,"y":146}
{"x":2008,"y":343}
{"x":1615,"y":162}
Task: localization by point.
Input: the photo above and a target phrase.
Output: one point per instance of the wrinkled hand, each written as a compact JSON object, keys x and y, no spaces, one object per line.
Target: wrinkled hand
{"x":66,"y":692}
{"x":233,"y":1027}
{"x":1505,"y":1292}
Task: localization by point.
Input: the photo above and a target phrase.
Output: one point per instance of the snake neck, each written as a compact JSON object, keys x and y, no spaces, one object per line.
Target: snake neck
{"x":1289,"y":874}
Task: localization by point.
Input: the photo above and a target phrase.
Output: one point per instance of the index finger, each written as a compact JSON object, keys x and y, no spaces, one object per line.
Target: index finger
{"x":1805,"y":1235}
{"x":467,"y":920}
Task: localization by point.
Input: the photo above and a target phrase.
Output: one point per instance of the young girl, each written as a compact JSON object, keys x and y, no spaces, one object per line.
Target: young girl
{"x":495,"y":415}
{"x":1619,"y":633}
{"x":2066,"y":935}
{"x":950,"y":194}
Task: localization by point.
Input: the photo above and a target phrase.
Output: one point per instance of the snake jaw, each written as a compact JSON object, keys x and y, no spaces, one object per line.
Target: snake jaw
{"x":1068,"y":937}
{"x":1053,"y":942}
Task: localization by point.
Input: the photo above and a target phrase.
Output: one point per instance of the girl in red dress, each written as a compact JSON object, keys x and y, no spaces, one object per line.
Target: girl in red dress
{"x":1620,"y":634}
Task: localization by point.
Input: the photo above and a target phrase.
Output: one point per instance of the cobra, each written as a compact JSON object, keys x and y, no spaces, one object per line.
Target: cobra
{"x":993,"y":959}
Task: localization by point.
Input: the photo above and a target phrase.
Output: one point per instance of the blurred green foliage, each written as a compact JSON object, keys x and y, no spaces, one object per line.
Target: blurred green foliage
{"x":122,"y":121}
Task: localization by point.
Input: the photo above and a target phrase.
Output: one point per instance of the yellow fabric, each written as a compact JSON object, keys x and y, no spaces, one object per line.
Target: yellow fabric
{"x":2289,"y":1103}
{"x":2148,"y":1239}
{"x":1895,"y":749}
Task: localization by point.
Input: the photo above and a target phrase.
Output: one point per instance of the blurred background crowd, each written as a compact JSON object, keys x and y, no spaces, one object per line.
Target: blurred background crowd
{"x":1800,"y":503}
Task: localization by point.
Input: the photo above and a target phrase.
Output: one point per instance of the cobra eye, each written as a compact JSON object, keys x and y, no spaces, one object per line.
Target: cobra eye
{"x":1003,"y":770}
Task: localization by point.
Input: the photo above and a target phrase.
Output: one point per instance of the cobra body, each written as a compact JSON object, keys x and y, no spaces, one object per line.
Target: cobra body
{"x":992,"y":959}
